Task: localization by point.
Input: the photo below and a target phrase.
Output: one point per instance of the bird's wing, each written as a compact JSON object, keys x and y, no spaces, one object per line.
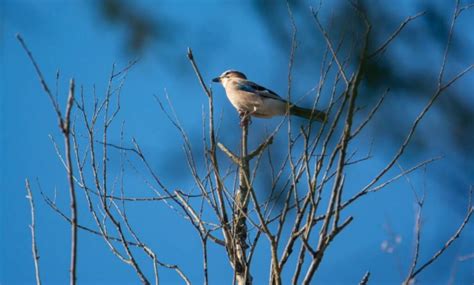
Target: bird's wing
{"x":253,"y":87}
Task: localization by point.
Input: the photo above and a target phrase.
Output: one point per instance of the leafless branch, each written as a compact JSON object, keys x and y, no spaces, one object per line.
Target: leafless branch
{"x":397,"y":32}
{"x":330,"y":45}
{"x":365,"y":279}
{"x":34,"y":247}
{"x":64,"y":125}
{"x":414,"y":273}
{"x":42,"y":80}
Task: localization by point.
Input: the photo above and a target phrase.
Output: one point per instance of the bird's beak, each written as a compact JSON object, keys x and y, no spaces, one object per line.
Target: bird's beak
{"x":217,"y":79}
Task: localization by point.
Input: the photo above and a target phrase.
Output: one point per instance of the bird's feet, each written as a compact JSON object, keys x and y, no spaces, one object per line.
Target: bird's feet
{"x":244,"y":118}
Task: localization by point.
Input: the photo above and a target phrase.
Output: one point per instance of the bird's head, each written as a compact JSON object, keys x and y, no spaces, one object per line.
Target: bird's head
{"x":229,"y":75}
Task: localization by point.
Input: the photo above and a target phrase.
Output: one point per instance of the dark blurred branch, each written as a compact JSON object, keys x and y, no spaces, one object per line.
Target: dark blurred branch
{"x":141,"y":29}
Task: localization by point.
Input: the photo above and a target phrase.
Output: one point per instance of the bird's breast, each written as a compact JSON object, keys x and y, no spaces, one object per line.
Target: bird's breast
{"x":243,"y":100}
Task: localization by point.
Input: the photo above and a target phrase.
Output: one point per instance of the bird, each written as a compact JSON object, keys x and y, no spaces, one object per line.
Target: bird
{"x":255,"y":100}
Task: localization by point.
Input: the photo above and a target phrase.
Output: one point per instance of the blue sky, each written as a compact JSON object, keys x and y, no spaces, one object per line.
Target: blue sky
{"x":73,"y":37}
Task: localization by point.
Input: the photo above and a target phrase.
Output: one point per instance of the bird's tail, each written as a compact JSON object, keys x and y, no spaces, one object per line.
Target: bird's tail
{"x":310,"y":114}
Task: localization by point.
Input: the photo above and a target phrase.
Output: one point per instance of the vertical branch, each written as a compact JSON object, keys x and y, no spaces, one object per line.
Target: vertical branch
{"x":34,"y":247}
{"x":204,"y":258}
{"x":65,"y":128}
{"x":240,"y":210}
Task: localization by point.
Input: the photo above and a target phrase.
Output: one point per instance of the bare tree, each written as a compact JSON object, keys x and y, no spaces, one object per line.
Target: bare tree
{"x":310,"y":179}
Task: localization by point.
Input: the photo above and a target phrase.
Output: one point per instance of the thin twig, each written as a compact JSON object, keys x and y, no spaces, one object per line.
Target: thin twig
{"x":445,"y":246}
{"x":41,"y":78}
{"x":365,"y":279}
{"x":34,"y":246}
{"x":384,"y":46}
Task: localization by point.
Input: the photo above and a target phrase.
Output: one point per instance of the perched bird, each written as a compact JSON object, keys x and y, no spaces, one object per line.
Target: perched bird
{"x":251,"y":98}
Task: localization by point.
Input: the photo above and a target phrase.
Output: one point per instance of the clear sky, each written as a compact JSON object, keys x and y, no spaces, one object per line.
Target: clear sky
{"x":75,"y":38}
